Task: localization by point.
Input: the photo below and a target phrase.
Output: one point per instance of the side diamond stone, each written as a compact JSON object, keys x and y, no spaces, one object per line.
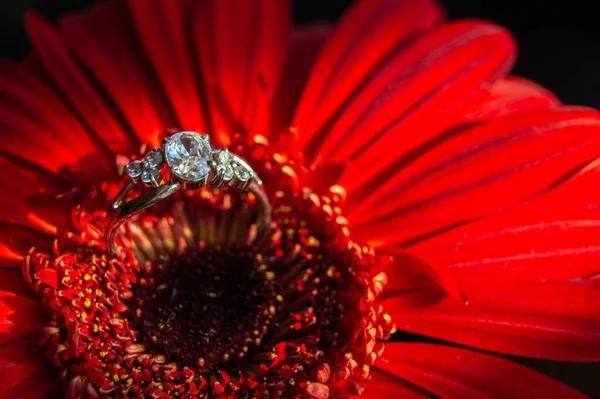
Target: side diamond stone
{"x":187,"y":154}
{"x":242,"y":173}
{"x":153,"y":159}
{"x":134,"y":169}
{"x":224,"y":157}
{"x":227,"y":171}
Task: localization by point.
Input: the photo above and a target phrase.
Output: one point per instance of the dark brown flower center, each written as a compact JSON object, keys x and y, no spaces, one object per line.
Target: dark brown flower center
{"x":206,"y":308}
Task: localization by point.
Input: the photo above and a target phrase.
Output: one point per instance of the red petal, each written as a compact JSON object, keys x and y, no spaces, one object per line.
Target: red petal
{"x":368,"y":33}
{"x":317,"y":390}
{"x":30,"y":198}
{"x":80,"y":92}
{"x":36,"y":386}
{"x":113,"y":54}
{"x":385,"y":386}
{"x":306,"y":42}
{"x":393,"y":112}
{"x":19,"y":316}
{"x":39,"y":128}
{"x":478,"y":172}
{"x":14,"y":283}
{"x":164,"y":32}
{"x":553,"y":237}
{"x":240,"y":46}
{"x":547,"y":320}
{"x":16,"y":240}
{"x":414,"y":283}
{"x":19,"y":359}
{"x":508,"y":96}
{"x":450,"y":372}
{"x":47,"y":276}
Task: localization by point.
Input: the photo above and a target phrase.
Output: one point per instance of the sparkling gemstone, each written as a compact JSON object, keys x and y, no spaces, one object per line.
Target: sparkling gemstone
{"x":187,"y":154}
{"x":153,"y":159}
{"x":134,"y":169}
{"x":226,"y":170}
{"x":150,"y":175}
{"x":242,"y":173}
{"x":225,"y":157}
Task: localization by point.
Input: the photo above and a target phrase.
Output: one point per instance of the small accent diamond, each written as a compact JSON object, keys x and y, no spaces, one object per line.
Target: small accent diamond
{"x":242,"y":173}
{"x":225,"y":157}
{"x":227,"y":171}
{"x":153,"y":159}
{"x":134,"y":169}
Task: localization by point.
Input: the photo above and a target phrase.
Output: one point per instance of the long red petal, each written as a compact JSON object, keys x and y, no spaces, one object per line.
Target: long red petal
{"x":40,"y":129}
{"x":413,"y":97}
{"x":19,"y":359}
{"x":547,"y":320}
{"x":305,"y":44}
{"x":368,"y":33}
{"x":385,"y":386}
{"x":113,"y":54}
{"x":241,"y":48}
{"x":164,"y":29}
{"x":508,"y":96}
{"x":19,"y":316}
{"x":79,"y":91}
{"x":36,"y":386}
{"x":478,"y":172}
{"x":449,"y":372}
{"x":16,"y":284}
{"x":412,"y":282}
{"x":30,"y":199}
{"x":555,"y":237}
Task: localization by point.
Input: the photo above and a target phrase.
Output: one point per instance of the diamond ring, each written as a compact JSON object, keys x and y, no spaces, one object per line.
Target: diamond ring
{"x":192,"y":164}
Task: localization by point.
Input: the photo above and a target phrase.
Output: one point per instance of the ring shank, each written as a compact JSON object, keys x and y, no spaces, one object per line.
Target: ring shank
{"x":264,"y":206}
{"x":120,"y":211}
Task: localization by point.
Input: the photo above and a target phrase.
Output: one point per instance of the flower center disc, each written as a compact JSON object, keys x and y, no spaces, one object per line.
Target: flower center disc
{"x":205,"y":308}
{"x":209,"y":310}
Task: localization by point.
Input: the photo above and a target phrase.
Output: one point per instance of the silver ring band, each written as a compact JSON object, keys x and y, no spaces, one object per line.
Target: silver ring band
{"x":192,"y":165}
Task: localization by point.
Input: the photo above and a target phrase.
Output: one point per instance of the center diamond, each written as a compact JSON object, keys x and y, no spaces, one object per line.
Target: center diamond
{"x":187,"y":154}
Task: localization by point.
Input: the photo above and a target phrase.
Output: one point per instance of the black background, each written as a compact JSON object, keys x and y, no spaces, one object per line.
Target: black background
{"x":559,"y":48}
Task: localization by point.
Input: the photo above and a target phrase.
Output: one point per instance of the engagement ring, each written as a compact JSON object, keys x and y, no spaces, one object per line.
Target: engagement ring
{"x":192,"y":164}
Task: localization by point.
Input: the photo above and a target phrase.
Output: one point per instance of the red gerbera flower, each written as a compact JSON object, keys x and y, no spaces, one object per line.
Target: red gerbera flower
{"x":414,"y":185}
